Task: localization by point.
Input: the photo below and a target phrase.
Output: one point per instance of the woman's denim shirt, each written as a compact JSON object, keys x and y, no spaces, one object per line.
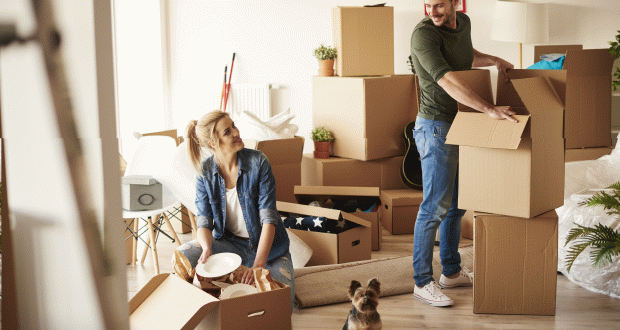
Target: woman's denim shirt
{"x":256,"y":188}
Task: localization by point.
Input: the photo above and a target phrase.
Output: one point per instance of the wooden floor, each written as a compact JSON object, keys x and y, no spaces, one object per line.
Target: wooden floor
{"x":577,"y":308}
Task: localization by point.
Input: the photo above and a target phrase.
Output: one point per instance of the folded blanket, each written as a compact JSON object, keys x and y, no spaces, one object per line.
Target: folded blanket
{"x":318,"y":224}
{"x":328,"y":284}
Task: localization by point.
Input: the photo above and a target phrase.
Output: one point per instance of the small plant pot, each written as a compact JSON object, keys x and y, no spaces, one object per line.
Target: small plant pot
{"x":326,"y":68}
{"x":321,"y":149}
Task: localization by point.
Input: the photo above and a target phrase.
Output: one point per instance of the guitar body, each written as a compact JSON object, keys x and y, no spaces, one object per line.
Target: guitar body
{"x":411,"y":168}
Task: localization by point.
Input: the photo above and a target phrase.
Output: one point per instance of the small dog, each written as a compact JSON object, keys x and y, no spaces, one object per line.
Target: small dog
{"x":364,"y":315}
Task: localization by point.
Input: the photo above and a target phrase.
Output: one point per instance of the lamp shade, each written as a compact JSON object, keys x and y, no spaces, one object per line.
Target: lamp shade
{"x":520,"y":22}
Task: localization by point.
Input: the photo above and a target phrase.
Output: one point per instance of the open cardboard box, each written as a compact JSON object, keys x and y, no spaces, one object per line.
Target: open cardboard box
{"x":515,"y":264}
{"x":366,"y":115}
{"x":364,"y":40}
{"x":350,"y":245}
{"x":306,"y":194}
{"x":168,"y":302}
{"x":573,"y":155}
{"x":399,"y":210}
{"x":511,"y":168}
{"x":584,"y":87}
{"x":285,"y":158}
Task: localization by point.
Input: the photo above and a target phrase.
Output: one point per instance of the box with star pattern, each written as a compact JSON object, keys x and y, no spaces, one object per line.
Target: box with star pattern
{"x":334,"y":236}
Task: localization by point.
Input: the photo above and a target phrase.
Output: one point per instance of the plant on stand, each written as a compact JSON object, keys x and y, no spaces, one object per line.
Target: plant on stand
{"x":604,"y":240}
{"x":322,"y":140}
{"x":326,"y":57}
{"x":614,"y":48}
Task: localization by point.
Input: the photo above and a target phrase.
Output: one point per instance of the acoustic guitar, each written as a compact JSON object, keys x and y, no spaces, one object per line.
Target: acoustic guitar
{"x":411,"y":168}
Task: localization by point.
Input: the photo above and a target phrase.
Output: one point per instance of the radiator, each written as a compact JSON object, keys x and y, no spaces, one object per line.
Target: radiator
{"x":255,"y":98}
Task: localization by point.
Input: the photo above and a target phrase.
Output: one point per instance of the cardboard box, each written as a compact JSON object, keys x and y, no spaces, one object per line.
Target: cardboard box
{"x":467,"y":225}
{"x":128,"y":241}
{"x":366,"y":115}
{"x":364,"y":40}
{"x":285,"y":158}
{"x":584,"y":86}
{"x":573,"y":155}
{"x":399,"y":210}
{"x":169,"y":302}
{"x":515,"y":264}
{"x":306,"y":194}
{"x":336,"y":171}
{"x":351,"y":245}
{"x":510,"y":168}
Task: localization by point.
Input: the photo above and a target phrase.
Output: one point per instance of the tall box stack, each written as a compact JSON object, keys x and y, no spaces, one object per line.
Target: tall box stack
{"x":511,"y":175}
{"x":365,"y":107}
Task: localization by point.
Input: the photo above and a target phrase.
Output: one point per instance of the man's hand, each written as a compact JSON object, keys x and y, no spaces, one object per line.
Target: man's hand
{"x":502,"y":112}
{"x":206,"y":253}
{"x":503,"y":67}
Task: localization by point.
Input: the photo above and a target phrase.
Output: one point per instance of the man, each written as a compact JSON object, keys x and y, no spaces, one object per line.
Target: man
{"x":440,"y":45}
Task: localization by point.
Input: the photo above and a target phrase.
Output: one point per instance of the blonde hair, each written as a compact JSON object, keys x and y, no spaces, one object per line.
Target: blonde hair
{"x":201,"y":133}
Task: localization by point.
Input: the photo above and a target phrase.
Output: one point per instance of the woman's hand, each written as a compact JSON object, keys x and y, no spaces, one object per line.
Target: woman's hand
{"x":248,"y":276}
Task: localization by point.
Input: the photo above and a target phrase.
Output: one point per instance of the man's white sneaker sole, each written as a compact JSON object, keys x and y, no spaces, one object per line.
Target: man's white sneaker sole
{"x":436,"y":303}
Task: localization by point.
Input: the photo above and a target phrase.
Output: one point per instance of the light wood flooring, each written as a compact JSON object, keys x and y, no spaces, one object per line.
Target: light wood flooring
{"x":577,"y":308}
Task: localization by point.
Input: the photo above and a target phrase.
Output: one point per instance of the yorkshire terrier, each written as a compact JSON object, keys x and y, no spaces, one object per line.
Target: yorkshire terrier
{"x":364,"y":315}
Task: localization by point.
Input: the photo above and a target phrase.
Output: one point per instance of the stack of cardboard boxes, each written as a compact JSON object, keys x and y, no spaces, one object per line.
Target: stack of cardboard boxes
{"x":512,"y":176}
{"x":366,"y":108}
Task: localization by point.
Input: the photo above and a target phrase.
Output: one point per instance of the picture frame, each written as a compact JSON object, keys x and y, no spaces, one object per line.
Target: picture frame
{"x":461,"y":7}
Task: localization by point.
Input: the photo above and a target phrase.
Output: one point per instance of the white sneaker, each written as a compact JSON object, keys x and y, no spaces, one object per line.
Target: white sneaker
{"x":465,"y":278}
{"x":431,"y":294}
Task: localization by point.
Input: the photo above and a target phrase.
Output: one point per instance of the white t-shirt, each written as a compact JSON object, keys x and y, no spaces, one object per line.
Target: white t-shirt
{"x":234,"y":215}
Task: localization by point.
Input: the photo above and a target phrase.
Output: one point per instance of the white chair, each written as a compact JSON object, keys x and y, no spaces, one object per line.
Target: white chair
{"x":152,"y":157}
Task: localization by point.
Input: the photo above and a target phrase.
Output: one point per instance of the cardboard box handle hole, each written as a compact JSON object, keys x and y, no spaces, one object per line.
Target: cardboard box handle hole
{"x":256,"y":314}
{"x":356,"y":242}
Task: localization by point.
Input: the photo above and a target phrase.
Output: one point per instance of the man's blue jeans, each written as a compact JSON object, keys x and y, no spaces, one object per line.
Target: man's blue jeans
{"x":439,"y":207}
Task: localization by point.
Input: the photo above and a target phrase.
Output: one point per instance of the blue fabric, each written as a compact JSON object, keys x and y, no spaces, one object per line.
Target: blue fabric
{"x":439,"y":206}
{"x":318,"y":224}
{"x":256,"y":188}
{"x":281,"y":268}
{"x":553,"y":63}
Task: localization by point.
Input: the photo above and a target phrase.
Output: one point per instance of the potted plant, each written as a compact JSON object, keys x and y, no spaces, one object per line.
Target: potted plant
{"x":614,"y":48}
{"x":326,"y":56}
{"x":322,"y":140}
{"x":604,"y":240}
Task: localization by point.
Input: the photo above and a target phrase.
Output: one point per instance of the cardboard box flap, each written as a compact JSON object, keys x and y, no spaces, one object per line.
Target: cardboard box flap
{"x":588,"y":62}
{"x":169,"y":302}
{"x":283,"y":151}
{"x":553,"y":49}
{"x":538,"y":94}
{"x":403,"y":197}
{"x":479,"y":130}
{"x":307,"y":194}
{"x":320,"y":212}
{"x":479,"y":80}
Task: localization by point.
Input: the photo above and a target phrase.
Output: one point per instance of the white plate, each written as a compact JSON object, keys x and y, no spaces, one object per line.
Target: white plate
{"x":238,"y":290}
{"x":219,"y":265}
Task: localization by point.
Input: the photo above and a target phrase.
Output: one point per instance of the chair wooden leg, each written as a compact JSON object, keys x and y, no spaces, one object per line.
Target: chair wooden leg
{"x":192,"y":220}
{"x":134,"y":252}
{"x":153,"y":245}
{"x":146,"y":247}
{"x":174,"y":234}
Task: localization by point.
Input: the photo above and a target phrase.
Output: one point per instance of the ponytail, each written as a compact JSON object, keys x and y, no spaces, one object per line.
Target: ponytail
{"x":194,"y":151}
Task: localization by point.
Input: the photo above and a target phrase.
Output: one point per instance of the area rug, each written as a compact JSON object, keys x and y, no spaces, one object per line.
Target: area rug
{"x":328,"y":284}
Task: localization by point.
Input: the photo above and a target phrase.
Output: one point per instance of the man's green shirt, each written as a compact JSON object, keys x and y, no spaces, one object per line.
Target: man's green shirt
{"x":436,"y":51}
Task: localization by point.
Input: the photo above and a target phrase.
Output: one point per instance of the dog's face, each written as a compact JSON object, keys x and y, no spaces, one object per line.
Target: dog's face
{"x":365,"y":299}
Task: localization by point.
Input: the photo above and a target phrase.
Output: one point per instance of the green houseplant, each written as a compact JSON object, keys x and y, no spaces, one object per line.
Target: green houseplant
{"x":604,"y":240}
{"x":326,"y":57}
{"x":614,"y":48}
{"x":322,"y":140}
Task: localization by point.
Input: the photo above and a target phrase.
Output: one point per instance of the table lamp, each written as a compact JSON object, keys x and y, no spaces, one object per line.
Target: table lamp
{"x":520,"y":22}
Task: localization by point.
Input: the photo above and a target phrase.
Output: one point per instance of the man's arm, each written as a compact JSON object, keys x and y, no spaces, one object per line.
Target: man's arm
{"x":482,"y":60}
{"x":461,"y":92}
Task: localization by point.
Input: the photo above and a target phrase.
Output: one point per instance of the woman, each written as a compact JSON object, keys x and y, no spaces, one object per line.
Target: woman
{"x":236,"y":201}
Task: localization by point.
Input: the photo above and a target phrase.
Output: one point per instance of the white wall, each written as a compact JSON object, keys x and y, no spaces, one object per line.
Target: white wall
{"x":274,"y":42}
{"x":55,"y":287}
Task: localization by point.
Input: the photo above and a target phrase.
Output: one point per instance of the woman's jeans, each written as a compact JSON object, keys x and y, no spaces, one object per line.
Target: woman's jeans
{"x":281,"y":269}
{"x":439,"y":207}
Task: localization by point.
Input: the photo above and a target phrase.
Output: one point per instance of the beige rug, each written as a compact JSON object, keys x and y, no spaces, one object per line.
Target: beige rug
{"x":328,"y":284}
